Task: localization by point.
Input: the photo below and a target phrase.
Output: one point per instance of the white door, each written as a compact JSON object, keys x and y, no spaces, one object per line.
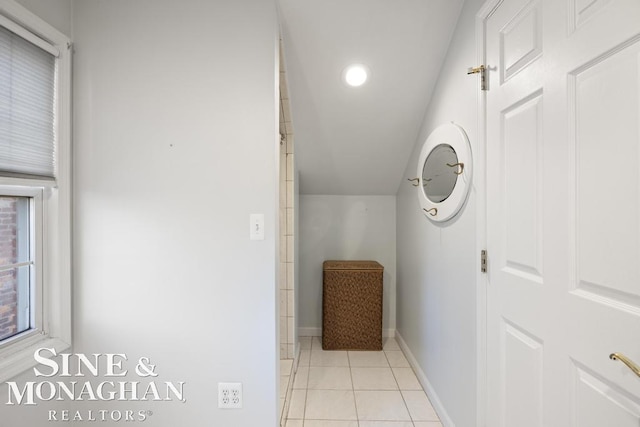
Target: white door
{"x":563,"y":212}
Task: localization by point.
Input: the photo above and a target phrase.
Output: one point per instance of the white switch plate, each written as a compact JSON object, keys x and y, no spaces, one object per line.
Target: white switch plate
{"x":256,"y":226}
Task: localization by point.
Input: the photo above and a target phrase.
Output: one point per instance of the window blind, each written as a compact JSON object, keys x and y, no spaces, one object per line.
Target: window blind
{"x":27,"y":107}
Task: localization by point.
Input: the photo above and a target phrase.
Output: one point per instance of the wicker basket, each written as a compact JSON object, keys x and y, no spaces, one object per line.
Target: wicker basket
{"x":352,"y":305}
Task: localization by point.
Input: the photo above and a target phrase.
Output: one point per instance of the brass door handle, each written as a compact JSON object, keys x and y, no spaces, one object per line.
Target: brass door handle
{"x":624,"y":359}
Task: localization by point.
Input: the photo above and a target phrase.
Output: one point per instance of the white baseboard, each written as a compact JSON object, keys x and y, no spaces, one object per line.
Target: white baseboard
{"x":317,"y":332}
{"x":428,"y":388}
{"x":309,"y":332}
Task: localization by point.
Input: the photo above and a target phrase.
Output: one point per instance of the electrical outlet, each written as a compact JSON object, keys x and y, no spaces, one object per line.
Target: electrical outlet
{"x":230,"y":395}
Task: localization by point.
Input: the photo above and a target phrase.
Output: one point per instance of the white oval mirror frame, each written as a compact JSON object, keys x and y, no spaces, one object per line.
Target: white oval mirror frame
{"x":453,"y":135}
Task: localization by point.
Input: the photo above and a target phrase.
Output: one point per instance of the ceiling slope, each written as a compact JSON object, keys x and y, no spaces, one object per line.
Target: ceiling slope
{"x":357,"y":140}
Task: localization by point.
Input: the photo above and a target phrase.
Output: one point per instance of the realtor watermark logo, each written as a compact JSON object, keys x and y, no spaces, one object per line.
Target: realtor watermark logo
{"x":110,"y":367}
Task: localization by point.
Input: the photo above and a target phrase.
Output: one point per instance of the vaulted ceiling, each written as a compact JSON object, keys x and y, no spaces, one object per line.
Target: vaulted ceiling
{"x":357,"y":140}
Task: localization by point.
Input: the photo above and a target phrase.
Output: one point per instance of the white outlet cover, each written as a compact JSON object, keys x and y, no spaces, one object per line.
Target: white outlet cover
{"x":230,"y":395}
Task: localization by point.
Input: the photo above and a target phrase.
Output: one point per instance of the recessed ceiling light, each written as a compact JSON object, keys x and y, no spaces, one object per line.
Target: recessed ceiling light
{"x":355,"y":75}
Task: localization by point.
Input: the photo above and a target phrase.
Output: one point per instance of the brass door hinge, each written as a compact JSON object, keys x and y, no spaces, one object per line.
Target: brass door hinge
{"x":482,"y":70}
{"x":483,"y":261}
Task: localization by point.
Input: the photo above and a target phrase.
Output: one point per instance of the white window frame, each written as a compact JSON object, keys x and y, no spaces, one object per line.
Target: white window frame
{"x":52,"y":211}
{"x":36,"y":241}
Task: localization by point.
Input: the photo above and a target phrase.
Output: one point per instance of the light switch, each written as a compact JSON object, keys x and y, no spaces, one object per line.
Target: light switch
{"x":256,"y":226}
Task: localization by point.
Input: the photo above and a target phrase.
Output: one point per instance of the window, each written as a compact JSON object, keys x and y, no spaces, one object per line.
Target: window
{"x":34,"y":188}
{"x":16,"y":263}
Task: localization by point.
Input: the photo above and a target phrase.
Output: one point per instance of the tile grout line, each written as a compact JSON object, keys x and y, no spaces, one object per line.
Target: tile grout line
{"x":306,"y":386}
{"x":285,"y":410}
{"x":305,"y":389}
{"x":353,"y":390}
{"x":401,"y":394}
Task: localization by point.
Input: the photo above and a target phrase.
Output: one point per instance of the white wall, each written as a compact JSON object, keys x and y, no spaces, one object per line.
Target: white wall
{"x":56,"y":13}
{"x":175,"y":146}
{"x":345,"y":228}
{"x":436,"y":288}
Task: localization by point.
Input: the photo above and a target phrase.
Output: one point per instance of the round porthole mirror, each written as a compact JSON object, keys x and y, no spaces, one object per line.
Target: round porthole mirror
{"x":444,"y":172}
{"x":438,"y":181}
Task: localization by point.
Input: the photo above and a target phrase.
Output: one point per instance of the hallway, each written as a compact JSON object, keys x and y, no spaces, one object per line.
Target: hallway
{"x":152,"y":227}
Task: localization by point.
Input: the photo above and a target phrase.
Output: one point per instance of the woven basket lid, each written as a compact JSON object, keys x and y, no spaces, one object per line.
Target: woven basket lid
{"x":352,"y":265}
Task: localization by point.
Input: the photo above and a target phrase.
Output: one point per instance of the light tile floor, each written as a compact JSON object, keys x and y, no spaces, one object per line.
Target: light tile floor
{"x":357,"y":389}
